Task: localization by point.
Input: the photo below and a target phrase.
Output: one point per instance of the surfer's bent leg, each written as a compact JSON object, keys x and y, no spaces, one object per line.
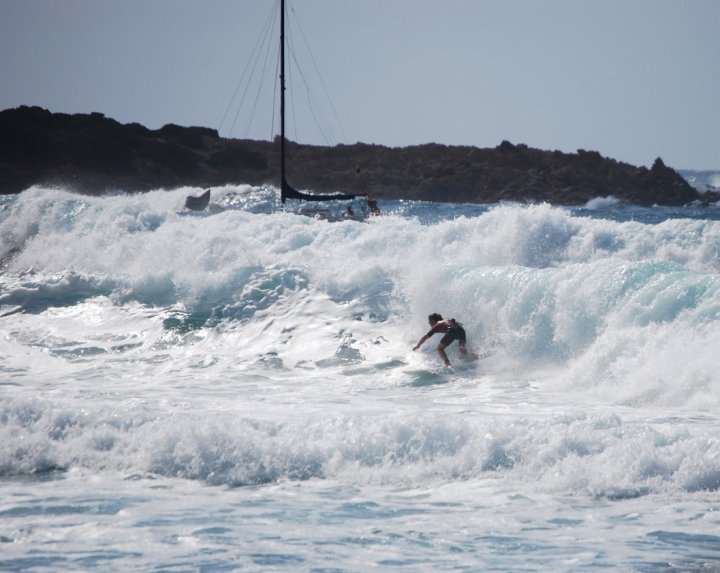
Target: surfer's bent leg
{"x":441,"y":352}
{"x":458,"y":333}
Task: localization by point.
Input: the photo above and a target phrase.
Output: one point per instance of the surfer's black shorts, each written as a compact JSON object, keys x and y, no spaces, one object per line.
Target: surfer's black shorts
{"x":456,"y":332}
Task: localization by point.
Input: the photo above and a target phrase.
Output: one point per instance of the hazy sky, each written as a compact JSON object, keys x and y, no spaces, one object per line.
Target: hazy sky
{"x":632,"y":79}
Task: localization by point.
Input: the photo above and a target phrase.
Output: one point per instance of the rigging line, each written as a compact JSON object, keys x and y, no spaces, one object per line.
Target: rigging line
{"x":322,"y":82}
{"x":263,"y":74}
{"x":265,"y":41}
{"x":289,"y":72}
{"x":259,"y":91}
{"x":275,"y":94}
{"x":252,"y":59}
{"x":324,"y":131}
{"x":323,"y":126}
{"x":321,"y":123}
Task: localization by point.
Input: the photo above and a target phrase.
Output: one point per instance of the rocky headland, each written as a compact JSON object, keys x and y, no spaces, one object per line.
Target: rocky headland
{"x":93,"y":154}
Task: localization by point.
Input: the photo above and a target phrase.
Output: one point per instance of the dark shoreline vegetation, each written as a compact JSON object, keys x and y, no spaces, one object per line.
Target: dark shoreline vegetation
{"x":93,"y":154}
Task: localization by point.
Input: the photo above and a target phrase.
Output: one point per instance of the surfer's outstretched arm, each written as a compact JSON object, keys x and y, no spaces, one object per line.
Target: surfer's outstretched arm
{"x":421,"y":342}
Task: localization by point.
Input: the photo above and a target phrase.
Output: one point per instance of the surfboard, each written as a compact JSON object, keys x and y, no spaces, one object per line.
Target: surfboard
{"x":428,"y":377}
{"x":440,"y":374}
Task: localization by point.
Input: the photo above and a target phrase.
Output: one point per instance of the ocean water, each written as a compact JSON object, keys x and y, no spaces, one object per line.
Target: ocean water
{"x":236,"y":390}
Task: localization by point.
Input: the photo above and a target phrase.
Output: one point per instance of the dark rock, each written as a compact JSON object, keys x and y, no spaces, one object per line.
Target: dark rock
{"x":95,"y":154}
{"x":198,"y":203}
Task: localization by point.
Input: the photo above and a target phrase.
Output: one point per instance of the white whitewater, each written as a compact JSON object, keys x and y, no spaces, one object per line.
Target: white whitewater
{"x":235,"y":390}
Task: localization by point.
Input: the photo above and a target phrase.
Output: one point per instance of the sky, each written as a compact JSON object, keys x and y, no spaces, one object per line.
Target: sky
{"x":631,"y":79}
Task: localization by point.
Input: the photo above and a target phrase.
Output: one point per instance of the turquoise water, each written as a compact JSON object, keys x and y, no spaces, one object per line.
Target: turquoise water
{"x":236,"y":390}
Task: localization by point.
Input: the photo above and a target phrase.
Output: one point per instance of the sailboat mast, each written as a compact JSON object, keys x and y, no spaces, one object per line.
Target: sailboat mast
{"x":287,"y":192}
{"x":282,"y":101}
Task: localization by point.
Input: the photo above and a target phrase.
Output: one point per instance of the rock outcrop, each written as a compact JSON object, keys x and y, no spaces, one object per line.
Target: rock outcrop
{"x":95,"y":154}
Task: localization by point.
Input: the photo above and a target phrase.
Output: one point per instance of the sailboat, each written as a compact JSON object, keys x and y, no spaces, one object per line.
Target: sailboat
{"x":311,"y":204}
{"x":286,"y":191}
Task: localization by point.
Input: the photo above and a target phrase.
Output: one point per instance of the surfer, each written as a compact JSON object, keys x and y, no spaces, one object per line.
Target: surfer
{"x":452,"y":330}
